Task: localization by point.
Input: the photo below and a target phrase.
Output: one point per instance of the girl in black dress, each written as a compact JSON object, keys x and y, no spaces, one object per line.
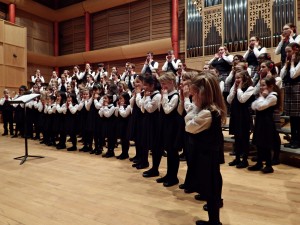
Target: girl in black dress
{"x":150,"y":132}
{"x":170,"y":123}
{"x":107,"y":112}
{"x":135,"y":121}
{"x":240,"y":98}
{"x":265,"y":129}
{"x":60,"y":119}
{"x":124,"y":113}
{"x":70,"y":109}
{"x":206,"y":139}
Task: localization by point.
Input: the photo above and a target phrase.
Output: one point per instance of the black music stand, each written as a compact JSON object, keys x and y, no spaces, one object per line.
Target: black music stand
{"x":23,"y":100}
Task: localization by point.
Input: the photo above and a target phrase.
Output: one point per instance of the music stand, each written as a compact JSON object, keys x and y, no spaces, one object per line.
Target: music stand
{"x":23,"y":100}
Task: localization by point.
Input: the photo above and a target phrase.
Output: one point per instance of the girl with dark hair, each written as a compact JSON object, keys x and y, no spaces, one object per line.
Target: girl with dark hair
{"x":70,"y":109}
{"x":288,"y":36}
{"x":265,"y":130}
{"x":59,"y":121}
{"x":124,"y":113}
{"x":135,"y":121}
{"x":108,"y":114}
{"x":240,"y":98}
{"x":151,"y":126}
{"x":290,"y":75}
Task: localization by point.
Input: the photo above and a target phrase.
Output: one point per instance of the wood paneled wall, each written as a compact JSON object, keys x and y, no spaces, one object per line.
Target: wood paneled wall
{"x":139,"y":21}
{"x":13,"y":55}
{"x":39,"y":32}
{"x":72,"y":36}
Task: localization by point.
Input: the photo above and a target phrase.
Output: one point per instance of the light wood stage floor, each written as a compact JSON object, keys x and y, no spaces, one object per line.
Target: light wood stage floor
{"x":74,"y":188}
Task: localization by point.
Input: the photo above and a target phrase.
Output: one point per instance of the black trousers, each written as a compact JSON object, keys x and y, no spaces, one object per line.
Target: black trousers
{"x":8,"y":121}
{"x":295,"y":128}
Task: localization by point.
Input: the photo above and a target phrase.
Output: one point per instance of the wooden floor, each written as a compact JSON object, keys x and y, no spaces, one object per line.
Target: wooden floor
{"x":74,"y":188}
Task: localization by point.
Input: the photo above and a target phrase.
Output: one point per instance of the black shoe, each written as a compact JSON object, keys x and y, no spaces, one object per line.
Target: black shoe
{"x":98,"y":152}
{"x":256,"y":167}
{"x":181,"y":186}
{"x":220,"y":205}
{"x":171,"y":183}
{"x":14,"y":136}
{"x":242,"y":164}
{"x":4,"y":134}
{"x":294,"y":146}
{"x":275,"y":162}
{"x":109,"y":154}
{"x":83,"y":149}
{"x":151,"y":173}
{"x":288,"y":145}
{"x":267,"y":169}
{"x":234,"y":162}
{"x":135,"y":164}
{"x":136,"y":160}
{"x":199,"y":197}
{"x":60,"y":146}
{"x":254,"y":159}
{"x":201,"y":222}
{"x":123,"y":156}
{"x":132,"y":159}
{"x":142,"y":166}
{"x":73,"y":148}
{"x":88,"y":149}
{"x":93,"y":152}
{"x":162,"y":179}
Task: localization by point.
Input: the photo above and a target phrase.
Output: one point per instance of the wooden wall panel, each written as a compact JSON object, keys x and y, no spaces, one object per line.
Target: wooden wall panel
{"x":16,"y":77}
{"x":140,"y":29}
{"x":161,"y":19}
{"x":181,"y":24}
{"x":118,"y":26}
{"x":14,"y":55}
{"x":1,"y":55}
{"x":14,"y":35}
{"x":72,"y":36}
{"x":39,"y":31}
{"x":99,"y":30}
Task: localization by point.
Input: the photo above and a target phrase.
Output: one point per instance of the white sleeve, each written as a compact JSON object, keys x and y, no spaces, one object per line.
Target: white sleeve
{"x":228,"y":58}
{"x":33,"y":78}
{"x":165,"y":66}
{"x":73,"y":109}
{"x":42,"y":79}
{"x":139,"y":100}
{"x":169,"y":106}
{"x":283,"y":72}
{"x":125,"y":112}
{"x":229,"y":78}
{"x":263,"y":103}
{"x":2,"y":100}
{"x":101,"y":111}
{"x":188,"y":105}
{"x":150,"y":105}
{"x":258,"y":52}
{"x":222,"y":85}
{"x":154,"y":67}
{"x":107,"y":112}
{"x":80,"y":75}
{"x":244,"y":96}
{"x":198,"y":122}
{"x":231,"y":95}
{"x":295,"y":71}
{"x":144,"y":69}
{"x":278,"y":48}
{"x":246,"y":54}
{"x":80,"y":105}
{"x":278,"y":82}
